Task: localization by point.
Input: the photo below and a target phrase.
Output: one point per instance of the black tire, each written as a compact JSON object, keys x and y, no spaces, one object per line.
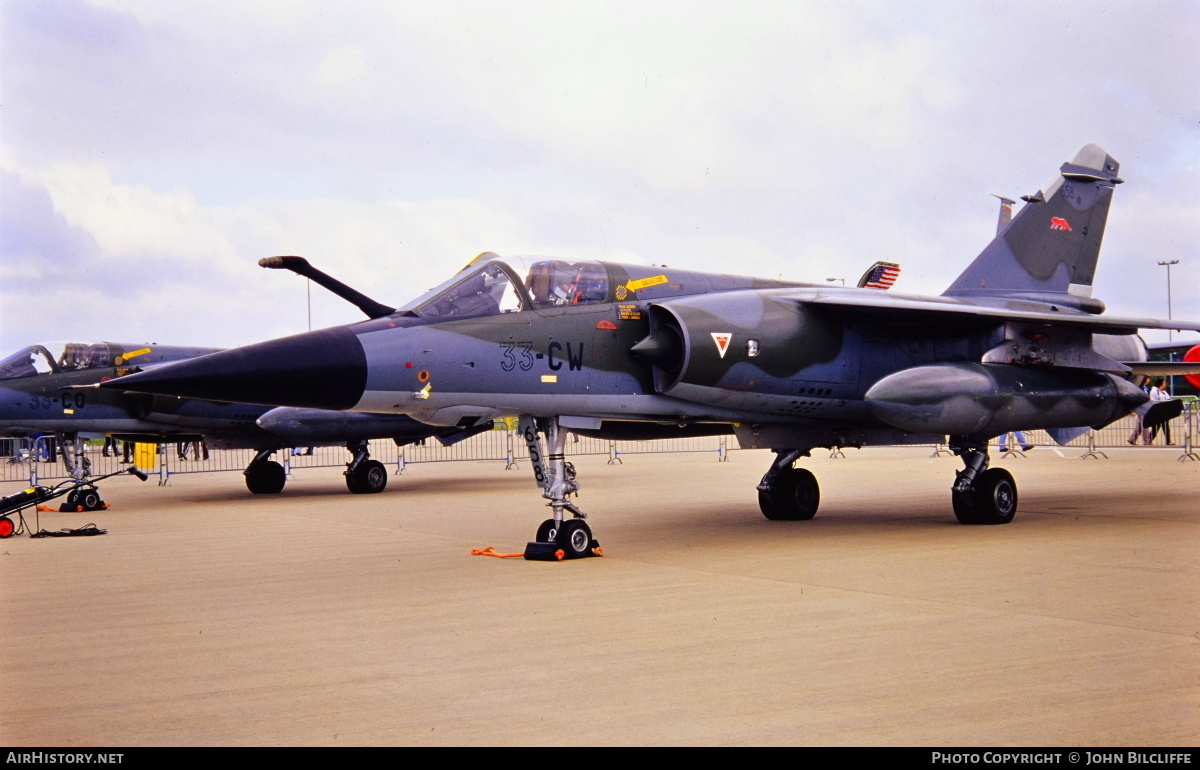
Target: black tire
{"x":964,"y":506}
{"x":367,"y":479}
{"x":995,"y":497}
{"x":575,"y":539}
{"x":72,"y":504}
{"x":795,"y":496}
{"x":89,"y":500}
{"x":547,"y":532}
{"x":265,"y":478}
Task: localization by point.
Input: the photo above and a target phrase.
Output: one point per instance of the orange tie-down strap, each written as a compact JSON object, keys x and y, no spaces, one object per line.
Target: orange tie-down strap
{"x":559,"y":554}
{"x":490,"y":551}
{"x":48,"y":509}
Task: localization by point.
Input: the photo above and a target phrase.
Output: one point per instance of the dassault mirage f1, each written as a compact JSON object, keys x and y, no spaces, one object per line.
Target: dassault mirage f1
{"x":1016,"y":342}
{"x":46,"y":389}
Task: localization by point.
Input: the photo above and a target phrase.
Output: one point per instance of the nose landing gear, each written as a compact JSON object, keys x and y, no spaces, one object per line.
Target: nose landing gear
{"x":556,"y":538}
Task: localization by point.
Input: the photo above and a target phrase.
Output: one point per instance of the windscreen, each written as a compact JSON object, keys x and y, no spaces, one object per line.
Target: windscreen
{"x":28,"y":362}
{"x":485,"y":291}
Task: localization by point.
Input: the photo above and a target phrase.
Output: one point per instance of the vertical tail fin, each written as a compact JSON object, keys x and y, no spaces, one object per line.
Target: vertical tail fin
{"x":1052,"y":244}
{"x":1005,"y":212}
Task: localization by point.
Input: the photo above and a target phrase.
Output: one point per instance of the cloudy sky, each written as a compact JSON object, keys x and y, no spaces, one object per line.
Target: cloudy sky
{"x":151,"y":152}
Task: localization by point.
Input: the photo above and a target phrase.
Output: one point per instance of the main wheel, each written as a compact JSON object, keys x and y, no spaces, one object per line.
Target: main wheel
{"x":575,"y":538}
{"x":266,"y":477}
{"x":964,"y":506}
{"x":368,"y":478}
{"x":995,"y":497}
{"x":547,"y":532}
{"x":794,"y":496}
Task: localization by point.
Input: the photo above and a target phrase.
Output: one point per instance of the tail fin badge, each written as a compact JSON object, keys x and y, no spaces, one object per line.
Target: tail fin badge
{"x":1058,"y":223}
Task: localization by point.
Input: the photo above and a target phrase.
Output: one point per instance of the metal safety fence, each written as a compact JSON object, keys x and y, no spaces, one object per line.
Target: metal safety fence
{"x":34,"y":461}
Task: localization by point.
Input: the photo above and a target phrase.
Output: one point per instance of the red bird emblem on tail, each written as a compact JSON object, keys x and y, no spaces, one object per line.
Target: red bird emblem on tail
{"x":1058,"y":223}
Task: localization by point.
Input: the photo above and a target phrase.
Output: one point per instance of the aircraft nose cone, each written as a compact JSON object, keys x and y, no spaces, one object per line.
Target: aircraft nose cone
{"x":325,"y":369}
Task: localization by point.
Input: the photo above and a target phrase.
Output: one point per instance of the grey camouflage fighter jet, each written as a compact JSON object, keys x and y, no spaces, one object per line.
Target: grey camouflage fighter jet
{"x":44,"y":389}
{"x":1016,"y":342}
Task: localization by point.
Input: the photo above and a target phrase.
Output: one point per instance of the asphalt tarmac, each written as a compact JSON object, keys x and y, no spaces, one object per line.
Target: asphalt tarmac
{"x":208,"y":616}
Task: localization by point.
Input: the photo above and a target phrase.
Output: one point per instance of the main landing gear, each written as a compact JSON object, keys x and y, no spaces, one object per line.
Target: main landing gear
{"x":786,"y":493}
{"x":264,"y":476}
{"x":556,"y":477}
{"x":982,"y":495}
{"x":364,"y":476}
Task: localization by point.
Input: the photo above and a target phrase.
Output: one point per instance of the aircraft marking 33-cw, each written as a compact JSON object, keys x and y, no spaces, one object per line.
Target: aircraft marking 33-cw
{"x":623,"y":351}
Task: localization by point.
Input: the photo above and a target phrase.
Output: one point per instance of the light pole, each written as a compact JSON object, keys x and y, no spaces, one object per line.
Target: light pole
{"x":1167,"y":265}
{"x":831,"y":280}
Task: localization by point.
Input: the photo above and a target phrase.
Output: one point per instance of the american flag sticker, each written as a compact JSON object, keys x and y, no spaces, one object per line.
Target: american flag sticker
{"x":722,"y":339}
{"x":882,"y":276}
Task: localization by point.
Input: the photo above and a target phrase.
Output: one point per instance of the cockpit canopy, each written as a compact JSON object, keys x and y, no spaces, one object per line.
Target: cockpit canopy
{"x":58,"y":357}
{"x":495,"y":286}
{"x":553,"y":282}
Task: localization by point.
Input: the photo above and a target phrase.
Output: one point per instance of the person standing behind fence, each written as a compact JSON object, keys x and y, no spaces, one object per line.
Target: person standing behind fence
{"x":1020,"y":436}
{"x":1140,"y":430}
{"x":1159,"y":394}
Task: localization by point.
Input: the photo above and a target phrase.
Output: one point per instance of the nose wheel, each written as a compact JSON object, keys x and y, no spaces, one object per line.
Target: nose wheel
{"x":574,"y":537}
{"x":547,"y":532}
{"x":82,"y":499}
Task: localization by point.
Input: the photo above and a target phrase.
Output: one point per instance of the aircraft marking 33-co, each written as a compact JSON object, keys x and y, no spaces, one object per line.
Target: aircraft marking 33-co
{"x":47,"y":389}
{"x":1016,"y":342}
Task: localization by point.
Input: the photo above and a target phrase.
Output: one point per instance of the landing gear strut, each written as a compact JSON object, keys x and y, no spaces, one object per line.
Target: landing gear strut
{"x":263,"y":475}
{"x":364,"y":476}
{"x":77,"y":464}
{"x":982,"y":495}
{"x":85,"y":497}
{"x":786,"y":493}
{"x":556,"y":477}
